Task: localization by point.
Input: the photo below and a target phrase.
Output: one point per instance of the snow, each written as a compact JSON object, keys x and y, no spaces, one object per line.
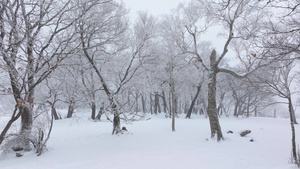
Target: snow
{"x":79,"y":143}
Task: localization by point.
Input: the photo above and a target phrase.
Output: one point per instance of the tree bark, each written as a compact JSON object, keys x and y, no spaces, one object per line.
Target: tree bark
{"x":93,"y":115}
{"x":137,"y":109}
{"x":101,"y":111}
{"x":212,"y":106}
{"x":54,"y":113}
{"x":70,"y":109}
{"x":116,"y":121}
{"x":173,"y":104}
{"x":156,"y":104}
{"x":151,"y":104}
{"x":292,"y":111}
{"x":188,"y":115}
{"x":294,"y":147}
{"x":143,"y":104}
{"x":164,"y":102}
{"x":26,"y":128}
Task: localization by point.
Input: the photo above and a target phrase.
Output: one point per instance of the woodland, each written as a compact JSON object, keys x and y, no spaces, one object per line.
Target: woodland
{"x":210,"y":58}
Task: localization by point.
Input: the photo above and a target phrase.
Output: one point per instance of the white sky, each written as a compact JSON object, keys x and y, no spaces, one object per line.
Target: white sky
{"x":154,"y":7}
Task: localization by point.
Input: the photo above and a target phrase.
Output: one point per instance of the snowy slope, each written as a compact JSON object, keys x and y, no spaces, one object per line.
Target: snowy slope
{"x":79,"y":143}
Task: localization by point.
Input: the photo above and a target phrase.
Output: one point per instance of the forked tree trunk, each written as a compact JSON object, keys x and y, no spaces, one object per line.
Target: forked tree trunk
{"x":212,"y":106}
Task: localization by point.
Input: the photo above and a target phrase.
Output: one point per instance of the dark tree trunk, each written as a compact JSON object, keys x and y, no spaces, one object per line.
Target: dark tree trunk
{"x":54,"y":113}
{"x":151,"y":104}
{"x":294,"y":147}
{"x":291,"y":108}
{"x":255,"y":111}
{"x":164,"y":102}
{"x":156,"y":104}
{"x":176,"y":106}
{"x":116,"y":125}
{"x":137,"y":102}
{"x":93,"y":115}
{"x":188,"y":115}
{"x":236,"y":107}
{"x":70,"y":110}
{"x":173,"y":110}
{"x":212,"y":106}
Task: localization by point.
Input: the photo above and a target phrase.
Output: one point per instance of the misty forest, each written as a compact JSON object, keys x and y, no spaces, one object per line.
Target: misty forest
{"x":206,"y":60}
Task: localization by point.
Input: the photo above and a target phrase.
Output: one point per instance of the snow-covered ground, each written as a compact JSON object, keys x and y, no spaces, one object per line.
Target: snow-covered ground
{"x":79,"y":143}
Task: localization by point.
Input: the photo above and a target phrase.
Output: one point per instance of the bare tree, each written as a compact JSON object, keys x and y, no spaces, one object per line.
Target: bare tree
{"x":35,"y":38}
{"x":241,"y":22}
{"x":104,"y":38}
{"x":278,"y":81}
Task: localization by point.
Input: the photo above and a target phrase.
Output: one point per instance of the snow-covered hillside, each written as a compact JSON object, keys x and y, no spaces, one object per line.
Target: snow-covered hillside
{"x":79,"y":143}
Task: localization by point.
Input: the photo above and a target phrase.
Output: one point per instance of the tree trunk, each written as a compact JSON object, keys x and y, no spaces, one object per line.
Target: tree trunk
{"x":151,"y":104}
{"x":293,"y":111}
{"x":143,"y":104}
{"x":116,"y":121}
{"x":164,"y":102}
{"x":236,"y":112}
{"x":101,"y":111}
{"x":212,"y":106}
{"x":294,"y":147}
{"x":93,"y":115}
{"x":26,"y":128}
{"x":156,"y":104}
{"x":54,"y":113}
{"x":70,"y":110}
{"x":188,"y":115}
{"x":255,"y":111}
{"x":221,"y":106}
{"x":173,"y":104}
{"x":248,"y":106}
{"x":137,"y":102}
{"x":116,"y":124}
